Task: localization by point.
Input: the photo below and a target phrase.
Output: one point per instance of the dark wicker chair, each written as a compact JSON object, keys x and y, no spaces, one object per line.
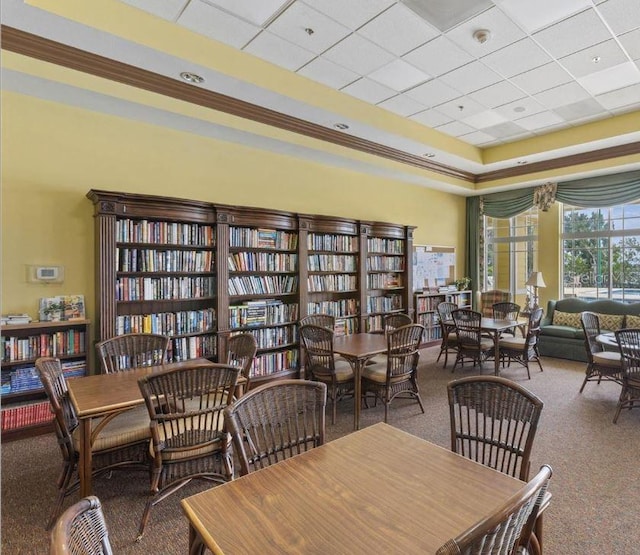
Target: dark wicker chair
{"x":81,"y":530}
{"x":508,"y":527}
{"x":523,"y":349}
{"x":276,"y":421}
{"x":241,"y":352}
{"x":132,"y":350}
{"x":120,"y":440}
{"x":189,"y":439}
{"x":508,"y":311}
{"x":396,"y":376}
{"x":322,"y":365}
{"x":601,"y":364}
{"x":449,"y":339}
{"x":472,"y":345}
{"x":322,"y":320}
{"x":629,"y":342}
{"x":395,"y":321}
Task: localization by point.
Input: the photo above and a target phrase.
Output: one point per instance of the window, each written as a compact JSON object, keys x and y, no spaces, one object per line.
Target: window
{"x":601,"y":252}
{"x":510,"y":253}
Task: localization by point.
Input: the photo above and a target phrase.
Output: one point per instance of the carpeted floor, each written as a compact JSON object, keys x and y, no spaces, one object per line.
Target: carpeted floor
{"x":595,"y":485}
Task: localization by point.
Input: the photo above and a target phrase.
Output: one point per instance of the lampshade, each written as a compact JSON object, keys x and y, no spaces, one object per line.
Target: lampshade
{"x":536,"y":280}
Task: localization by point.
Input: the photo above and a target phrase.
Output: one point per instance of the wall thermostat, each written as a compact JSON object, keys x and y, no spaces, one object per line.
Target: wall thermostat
{"x":46,"y":274}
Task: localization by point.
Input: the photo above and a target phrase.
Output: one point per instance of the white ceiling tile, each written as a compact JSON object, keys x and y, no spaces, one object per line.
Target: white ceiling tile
{"x":621,"y":15}
{"x":517,"y":58}
{"x":216,"y":24}
{"x":399,"y":75}
{"x":398,"y":30}
{"x":564,"y":94}
{"x":169,"y":9}
{"x":292,"y":25}
{"x":576,"y":33}
{"x":433,"y":92}
{"x":578,"y":110}
{"x":462,"y":107}
{"x":542,"y":78}
{"x":369,"y":91}
{"x":456,"y":128}
{"x":497,"y":94}
{"x":608,"y":54}
{"x":540,"y":120}
{"x":431,"y":118}
{"x":352,"y":13}
{"x":358,"y":54}
{"x":279,"y":51}
{"x":631,"y":43}
{"x":504,"y":130}
{"x":523,"y":107}
{"x":438,"y":56}
{"x":503,"y":32}
{"x":328,"y":73}
{"x":628,"y":96}
{"x":484,"y":119}
{"x":533,"y":16}
{"x":446,"y":14}
{"x":257,"y":13}
{"x":402,"y":105}
{"x":611,"y":78}
{"x":471,"y":77}
{"x":477,"y":138}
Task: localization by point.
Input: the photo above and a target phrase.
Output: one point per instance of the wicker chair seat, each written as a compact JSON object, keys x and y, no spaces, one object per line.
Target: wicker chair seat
{"x":485,"y":344}
{"x":514,"y":343}
{"x":343,"y":372}
{"x":608,"y":358}
{"x":378,"y":373}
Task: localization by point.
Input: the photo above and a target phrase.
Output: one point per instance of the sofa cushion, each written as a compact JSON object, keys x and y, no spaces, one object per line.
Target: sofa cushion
{"x":611,"y":322}
{"x":571,"y":319}
{"x":632,"y":321}
{"x":566,"y":332}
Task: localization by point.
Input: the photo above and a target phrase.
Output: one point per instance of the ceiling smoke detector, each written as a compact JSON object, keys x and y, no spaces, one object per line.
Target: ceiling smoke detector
{"x":482,"y":35}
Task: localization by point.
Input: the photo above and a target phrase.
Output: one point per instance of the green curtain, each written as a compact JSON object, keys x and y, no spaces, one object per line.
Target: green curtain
{"x":472,"y":261}
{"x":606,"y":190}
{"x":507,"y":204}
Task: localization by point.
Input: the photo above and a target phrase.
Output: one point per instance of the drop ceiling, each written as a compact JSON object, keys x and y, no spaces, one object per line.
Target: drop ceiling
{"x":460,"y":95}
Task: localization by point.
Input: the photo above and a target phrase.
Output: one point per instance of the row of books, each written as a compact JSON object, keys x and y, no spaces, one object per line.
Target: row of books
{"x":244,"y":237}
{"x":270,"y":338}
{"x":384,"y":304}
{"x":262,"y":313}
{"x":384,"y":281}
{"x":346,"y":326}
{"x":69,"y":342}
{"x":270,"y":363}
{"x":388,"y":246}
{"x":332,"y":263}
{"x":174,"y":233}
{"x":424,"y":304}
{"x":339,"y":308}
{"x":168,"y":323}
{"x":25,"y":415}
{"x":151,"y":260}
{"x":330,"y":242}
{"x":199,"y":346}
{"x":163,"y":288}
{"x":262,"y":285}
{"x":429,"y":319}
{"x":262,"y":262}
{"x":332,"y":282}
{"x":385,"y":263}
{"x":26,"y":378}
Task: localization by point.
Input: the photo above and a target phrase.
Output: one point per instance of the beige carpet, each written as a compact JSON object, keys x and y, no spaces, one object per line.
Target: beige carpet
{"x":595,"y":486}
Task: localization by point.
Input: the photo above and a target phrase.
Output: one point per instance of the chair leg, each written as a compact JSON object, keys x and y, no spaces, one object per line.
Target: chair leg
{"x":63,"y":485}
{"x":588,"y":372}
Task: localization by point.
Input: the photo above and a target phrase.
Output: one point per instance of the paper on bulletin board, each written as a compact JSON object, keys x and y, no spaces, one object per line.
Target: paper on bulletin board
{"x":433,"y":266}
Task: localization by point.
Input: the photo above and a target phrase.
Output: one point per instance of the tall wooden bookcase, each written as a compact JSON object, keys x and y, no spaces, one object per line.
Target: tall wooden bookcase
{"x":201,"y":272}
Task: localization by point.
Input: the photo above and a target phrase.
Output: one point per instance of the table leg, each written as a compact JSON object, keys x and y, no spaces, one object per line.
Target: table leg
{"x":357,"y":372}
{"x":496,"y":352}
{"x":85,"y":463}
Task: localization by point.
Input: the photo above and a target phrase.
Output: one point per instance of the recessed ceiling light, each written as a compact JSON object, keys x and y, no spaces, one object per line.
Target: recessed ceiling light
{"x":596,"y":59}
{"x":429,"y":154}
{"x":309,"y":31}
{"x":522,"y":162}
{"x":341,"y":126}
{"x":519,"y":109}
{"x":191,"y":77}
{"x":482,"y":35}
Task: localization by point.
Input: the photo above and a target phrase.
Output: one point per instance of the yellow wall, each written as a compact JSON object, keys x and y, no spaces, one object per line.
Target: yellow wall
{"x":52,"y":154}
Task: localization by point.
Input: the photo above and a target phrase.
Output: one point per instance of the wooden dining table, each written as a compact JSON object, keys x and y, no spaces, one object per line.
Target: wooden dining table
{"x":358,"y":348}
{"x":101,"y":395}
{"x":377,"y":490}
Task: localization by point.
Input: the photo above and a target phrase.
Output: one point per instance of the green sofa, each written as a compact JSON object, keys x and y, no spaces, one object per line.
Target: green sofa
{"x":561,"y":333}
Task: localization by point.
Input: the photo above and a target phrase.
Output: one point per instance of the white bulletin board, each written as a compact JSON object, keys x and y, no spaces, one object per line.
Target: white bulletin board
{"x":433,"y":266}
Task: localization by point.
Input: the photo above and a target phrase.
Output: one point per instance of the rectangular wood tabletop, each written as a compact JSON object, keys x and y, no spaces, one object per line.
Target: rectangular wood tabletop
{"x":378,"y":490}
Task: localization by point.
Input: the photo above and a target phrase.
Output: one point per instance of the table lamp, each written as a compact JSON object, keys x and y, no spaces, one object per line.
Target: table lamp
{"x":535,"y":280}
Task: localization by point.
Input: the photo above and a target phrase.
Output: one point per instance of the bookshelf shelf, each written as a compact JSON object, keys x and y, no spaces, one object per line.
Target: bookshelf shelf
{"x":426,"y":307}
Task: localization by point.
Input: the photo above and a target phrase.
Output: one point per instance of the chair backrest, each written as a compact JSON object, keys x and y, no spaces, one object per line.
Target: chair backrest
{"x":629,"y":345}
{"x":468,"y":326}
{"x":494,"y":422}
{"x":182,"y":401}
{"x":241,"y":352}
{"x":489,"y":298}
{"x":276,"y":421}
{"x":506,"y":311}
{"x":318,"y":349}
{"x":403,"y":351}
{"x":533,"y":326}
{"x":394,"y":321}
{"x":591,"y":328}
{"x":81,"y":530}
{"x":132,"y":350}
{"x":322,"y":320}
{"x":445,"y":309}
{"x":500,"y":533}
{"x":55,"y":386}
